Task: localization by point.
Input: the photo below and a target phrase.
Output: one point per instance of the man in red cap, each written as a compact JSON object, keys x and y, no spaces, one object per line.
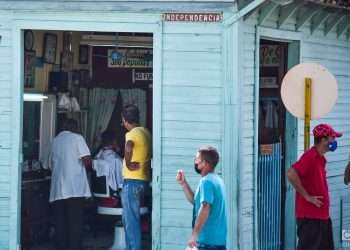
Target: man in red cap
{"x":308,"y":177}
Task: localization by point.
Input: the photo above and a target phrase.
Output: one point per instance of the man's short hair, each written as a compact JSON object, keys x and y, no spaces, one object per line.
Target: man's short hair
{"x":131,"y":114}
{"x":210,"y":155}
{"x":71,"y":125}
{"x":108,"y":138}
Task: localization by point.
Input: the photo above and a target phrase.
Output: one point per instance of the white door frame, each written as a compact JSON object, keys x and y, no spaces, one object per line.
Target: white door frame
{"x":117,"y":22}
{"x":275,"y":35}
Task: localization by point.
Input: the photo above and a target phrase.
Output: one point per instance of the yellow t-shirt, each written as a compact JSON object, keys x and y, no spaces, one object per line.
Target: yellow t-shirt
{"x":141,"y":153}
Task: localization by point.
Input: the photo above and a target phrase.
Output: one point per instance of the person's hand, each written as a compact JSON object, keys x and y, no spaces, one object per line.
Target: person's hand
{"x":316,"y":200}
{"x":192,"y":243}
{"x":134,"y":166}
{"x":180,"y":177}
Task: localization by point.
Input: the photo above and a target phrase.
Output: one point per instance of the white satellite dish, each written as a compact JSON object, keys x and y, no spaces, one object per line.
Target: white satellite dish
{"x":324,"y":90}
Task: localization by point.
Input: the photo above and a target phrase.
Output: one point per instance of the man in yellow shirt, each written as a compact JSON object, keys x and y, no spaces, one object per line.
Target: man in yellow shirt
{"x":136,"y":174}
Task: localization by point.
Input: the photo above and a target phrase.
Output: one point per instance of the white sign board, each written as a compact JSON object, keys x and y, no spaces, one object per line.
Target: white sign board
{"x":324,"y":90}
{"x":130,"y":58}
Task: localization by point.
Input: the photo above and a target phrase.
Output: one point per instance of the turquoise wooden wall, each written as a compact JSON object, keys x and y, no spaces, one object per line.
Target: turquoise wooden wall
{"x":7,"y":123}
{"x":333,"y":53}
{"x":192,"y":116}
{"x":207,"y":72}
{"x":189,"y":108}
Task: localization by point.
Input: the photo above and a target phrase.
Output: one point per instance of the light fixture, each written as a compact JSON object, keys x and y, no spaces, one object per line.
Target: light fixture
{"x":117,"y":41}
{"x":34,"y":97}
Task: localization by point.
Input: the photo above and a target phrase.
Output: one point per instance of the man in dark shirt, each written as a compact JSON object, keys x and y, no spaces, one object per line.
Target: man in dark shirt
{"x":308,"y":176}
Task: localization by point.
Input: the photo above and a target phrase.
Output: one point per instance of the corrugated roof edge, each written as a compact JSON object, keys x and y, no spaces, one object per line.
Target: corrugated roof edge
{"x":340,"y":4}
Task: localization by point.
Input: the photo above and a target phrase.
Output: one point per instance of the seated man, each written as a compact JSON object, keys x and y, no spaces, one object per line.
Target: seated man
{"x":108,"y":163}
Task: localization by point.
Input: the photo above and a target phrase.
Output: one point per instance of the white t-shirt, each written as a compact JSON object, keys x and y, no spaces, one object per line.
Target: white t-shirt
{"x":108,"y":163}
{"x":69,"y":177}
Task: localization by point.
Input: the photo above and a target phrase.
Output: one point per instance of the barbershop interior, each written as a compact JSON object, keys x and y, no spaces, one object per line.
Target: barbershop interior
{"x":90,"y":77}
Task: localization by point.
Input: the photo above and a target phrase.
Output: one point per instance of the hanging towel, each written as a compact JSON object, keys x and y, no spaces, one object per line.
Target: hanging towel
{"x":108,"y":163}
{"x":75,"y":107}
{"x":271,"y":117}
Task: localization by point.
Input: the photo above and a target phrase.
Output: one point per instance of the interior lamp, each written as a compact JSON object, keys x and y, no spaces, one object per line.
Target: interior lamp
{"x":34,"y":97}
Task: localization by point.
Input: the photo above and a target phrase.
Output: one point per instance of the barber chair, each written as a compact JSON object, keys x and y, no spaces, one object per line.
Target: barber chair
{"x":110,"y":204}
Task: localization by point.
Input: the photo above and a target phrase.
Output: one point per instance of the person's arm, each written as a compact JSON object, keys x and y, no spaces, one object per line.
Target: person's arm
{"x":83,"y":151}
{"x":294,"y":179}
{"x":180,"y":177}
{"x":129,"y":147}
{"x":87,"y":162}
{"x":200,"y":221}
{"x":188,"y":192}
{"x":49,"y":161}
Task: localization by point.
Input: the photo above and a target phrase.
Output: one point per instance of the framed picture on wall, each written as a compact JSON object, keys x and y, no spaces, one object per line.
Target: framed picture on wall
{"x":270,"y":55}
{"x":67,"y":41}
{"x":268,"y":82}
{"x":28,"y":40}
{"x":29,"y":69}
{"x":67,"y":61}
{"x":83,"y":54}
{"x":50,"y":48}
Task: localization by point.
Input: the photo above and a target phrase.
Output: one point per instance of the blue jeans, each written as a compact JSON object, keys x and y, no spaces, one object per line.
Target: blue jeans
{"x":132,"y":193}
{"x":201,"y":246}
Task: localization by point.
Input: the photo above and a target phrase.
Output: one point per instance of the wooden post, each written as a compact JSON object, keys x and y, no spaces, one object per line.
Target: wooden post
{"x":307,"y":118}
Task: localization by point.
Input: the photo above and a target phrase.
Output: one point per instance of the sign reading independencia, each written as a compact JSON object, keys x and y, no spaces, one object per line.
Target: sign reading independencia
{"x":193,"y":17}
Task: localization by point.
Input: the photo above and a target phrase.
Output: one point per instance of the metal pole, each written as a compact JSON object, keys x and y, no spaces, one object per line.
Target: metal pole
{"x":307,"y":118}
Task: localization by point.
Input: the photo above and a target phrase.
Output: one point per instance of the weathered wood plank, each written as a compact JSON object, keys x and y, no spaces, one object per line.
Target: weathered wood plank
{"x":175,"y":235}
{"x":197,"y":76}
{"x":198,"y":28}
{"x":174,"y":60}
{"x":176,"y":218}
{"x":190,"y":42}
{"x":5,"y":119}
{"x":113,"y":6}
{"x":186,"y":95}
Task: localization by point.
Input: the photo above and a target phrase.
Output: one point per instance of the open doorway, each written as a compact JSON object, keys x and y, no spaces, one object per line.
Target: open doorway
{"x":87,"y":76}
{"x":276,"y":147}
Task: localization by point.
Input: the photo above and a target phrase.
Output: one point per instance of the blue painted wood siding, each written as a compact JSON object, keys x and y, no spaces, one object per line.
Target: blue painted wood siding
{"x":5,"y":127}
{"x":246,"y":183}
{"x":192,"y":116}
{"x":333,"y":53}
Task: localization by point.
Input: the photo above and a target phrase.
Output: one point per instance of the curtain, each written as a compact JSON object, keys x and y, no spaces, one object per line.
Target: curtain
{"x":138,"y":98}
{"x":101,"y":106}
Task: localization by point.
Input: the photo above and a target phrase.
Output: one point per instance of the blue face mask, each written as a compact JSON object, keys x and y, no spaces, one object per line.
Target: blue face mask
{"x":332,"y":146}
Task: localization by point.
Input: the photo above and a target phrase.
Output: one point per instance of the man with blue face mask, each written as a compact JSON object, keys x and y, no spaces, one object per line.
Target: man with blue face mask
{"x":308,"y":177}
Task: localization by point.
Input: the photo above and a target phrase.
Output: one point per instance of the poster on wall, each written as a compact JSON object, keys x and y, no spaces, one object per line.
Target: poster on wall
{"x":50,"y":47}
{"x":83,"y":54}
{"x":141,"y":76}
{"x":29,"y":69}
{"x":130,"y":58}
{"x":270,"y":55}
{"x":268,"y":82}
{"x":67,"y":61}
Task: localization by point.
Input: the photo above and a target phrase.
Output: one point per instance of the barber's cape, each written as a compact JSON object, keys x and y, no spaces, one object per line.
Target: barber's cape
{"x":108,"y":163}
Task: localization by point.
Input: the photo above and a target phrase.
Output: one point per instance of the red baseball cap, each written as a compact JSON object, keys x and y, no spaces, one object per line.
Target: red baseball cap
{"x":324,"y":130}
